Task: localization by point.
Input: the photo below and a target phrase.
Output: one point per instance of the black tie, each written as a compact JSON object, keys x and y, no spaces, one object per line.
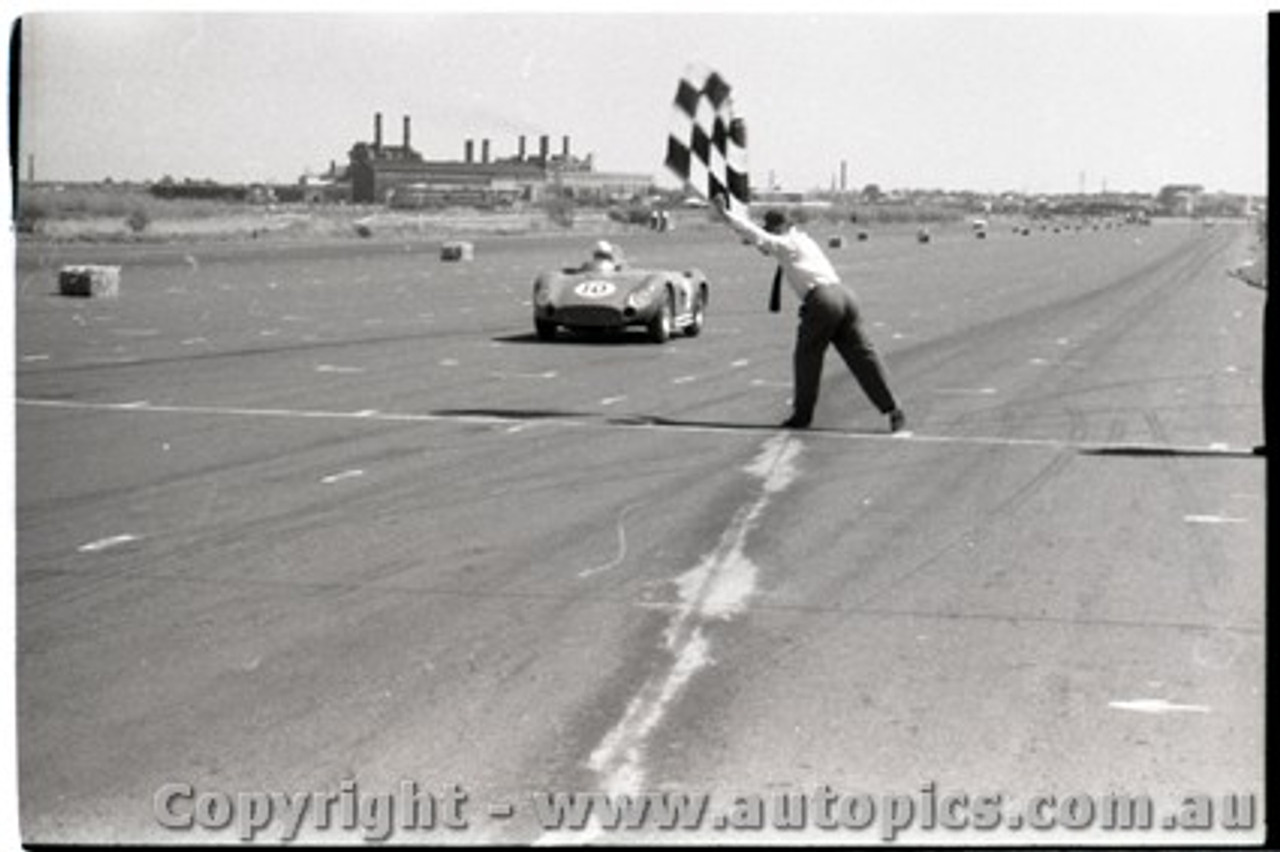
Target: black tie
{"x":775,"y":297}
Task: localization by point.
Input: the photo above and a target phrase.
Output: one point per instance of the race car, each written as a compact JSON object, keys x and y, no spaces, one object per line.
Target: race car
{"x":612,"y":296}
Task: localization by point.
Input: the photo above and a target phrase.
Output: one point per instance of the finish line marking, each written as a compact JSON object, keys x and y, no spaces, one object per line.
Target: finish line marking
{"x":1100,"y":447}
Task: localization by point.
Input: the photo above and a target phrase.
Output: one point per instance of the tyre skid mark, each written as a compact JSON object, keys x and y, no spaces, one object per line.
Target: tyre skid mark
{"x":622,"y":546}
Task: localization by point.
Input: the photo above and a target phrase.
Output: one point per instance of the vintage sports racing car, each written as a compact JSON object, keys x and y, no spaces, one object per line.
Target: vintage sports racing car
{"x":605,"y":296}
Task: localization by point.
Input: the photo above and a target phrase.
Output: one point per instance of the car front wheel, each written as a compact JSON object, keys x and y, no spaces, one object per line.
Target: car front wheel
{"x":546,"y":330}
{"x":699,"y":316}
{"x":663,"y":320}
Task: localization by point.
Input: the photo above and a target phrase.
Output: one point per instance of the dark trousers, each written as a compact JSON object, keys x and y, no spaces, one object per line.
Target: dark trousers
{"x":829,"y":315}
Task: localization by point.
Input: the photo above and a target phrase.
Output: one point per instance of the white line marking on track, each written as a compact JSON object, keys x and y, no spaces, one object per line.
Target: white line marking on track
{"x":741,"y":362}
{"x":967,"y":391}
{"x":135,"y":332}
{"x":104,"y":543}
{"x":683,"y":380}
{"x":338,"y":477}
{"x":1213,"y":519}
{"x":335,"y":368}
{"x":31,"y":359}
{"x":546,"y":374}
{"x":587,"y":422}
{"x":282,"y":413}
{"x":1157,"y":705}
{"x":612,"y":400}
{"x":717,"y":588}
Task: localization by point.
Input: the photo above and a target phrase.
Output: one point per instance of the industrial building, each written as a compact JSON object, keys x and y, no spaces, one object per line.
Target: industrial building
{"x":399,"y":176}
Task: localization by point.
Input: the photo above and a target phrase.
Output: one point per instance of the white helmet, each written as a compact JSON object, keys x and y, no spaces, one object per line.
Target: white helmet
{"x":603,"y":250}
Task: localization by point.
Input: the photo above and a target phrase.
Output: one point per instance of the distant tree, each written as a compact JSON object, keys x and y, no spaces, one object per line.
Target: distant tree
{"x":871,"y":192}
{"x":31,"y":214}
{"x":138,"y":220}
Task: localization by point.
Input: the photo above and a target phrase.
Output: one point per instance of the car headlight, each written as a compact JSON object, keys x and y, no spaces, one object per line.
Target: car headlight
{"x":640,"y":299}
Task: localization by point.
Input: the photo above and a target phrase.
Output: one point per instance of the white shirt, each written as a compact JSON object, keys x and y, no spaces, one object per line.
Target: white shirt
{"x":803,"y":262}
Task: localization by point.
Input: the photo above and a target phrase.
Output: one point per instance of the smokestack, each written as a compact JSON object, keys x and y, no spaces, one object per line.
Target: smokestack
{"x":844,"y":175}
{"x":406,"y":132}
{"x":377,"y":131}
{"x":566,"y":147}
{"x":484,"y":151}
{"x":521,"y":154}
{"x":544,"y":146}
{"x":470,"y":150}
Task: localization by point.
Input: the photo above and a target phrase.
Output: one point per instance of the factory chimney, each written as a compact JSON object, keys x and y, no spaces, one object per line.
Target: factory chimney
{"x":406,"y":133}
{"x":484,"y":151}
{"x":544,"y":147}
{"x":470,"y":150}
{"x":377,"y":132}
{"x":566,"y":148}
{"x":520,"y":156}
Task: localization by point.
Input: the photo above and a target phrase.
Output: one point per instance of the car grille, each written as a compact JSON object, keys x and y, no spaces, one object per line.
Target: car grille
{"x":589,"y":315}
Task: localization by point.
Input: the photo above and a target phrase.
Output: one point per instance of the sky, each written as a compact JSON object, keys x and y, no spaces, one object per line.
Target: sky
{"x":1048,"y":102}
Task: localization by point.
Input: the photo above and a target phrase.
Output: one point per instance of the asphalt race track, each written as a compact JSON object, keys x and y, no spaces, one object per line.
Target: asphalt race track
{"x":319,"y":518}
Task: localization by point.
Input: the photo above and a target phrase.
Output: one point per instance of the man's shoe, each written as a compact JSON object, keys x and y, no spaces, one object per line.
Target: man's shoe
{"x":794,"y":422}
{"x":897,"y":420}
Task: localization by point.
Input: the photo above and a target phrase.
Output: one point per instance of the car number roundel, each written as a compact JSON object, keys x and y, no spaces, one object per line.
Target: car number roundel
{"x":595,"y":289}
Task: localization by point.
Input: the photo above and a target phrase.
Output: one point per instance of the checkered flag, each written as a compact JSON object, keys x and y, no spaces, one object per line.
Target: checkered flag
{"x":707,"y":146}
